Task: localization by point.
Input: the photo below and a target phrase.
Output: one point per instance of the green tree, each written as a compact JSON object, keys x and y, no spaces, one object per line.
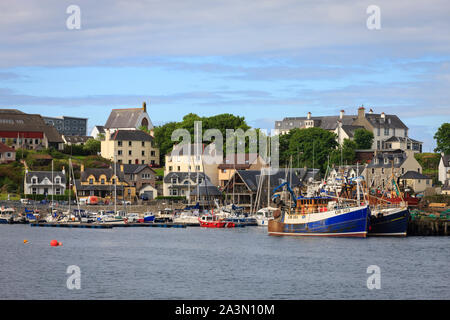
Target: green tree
{"x":363,"y":138}
{"x":92,"y":146}
{"x":310,"y":146}
{"x":345,"y":154}
{"x":442,"y":137}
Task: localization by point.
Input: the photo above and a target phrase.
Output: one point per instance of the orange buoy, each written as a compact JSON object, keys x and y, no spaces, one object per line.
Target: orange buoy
{"x":25,"y":241}
{"x":54,"y":243}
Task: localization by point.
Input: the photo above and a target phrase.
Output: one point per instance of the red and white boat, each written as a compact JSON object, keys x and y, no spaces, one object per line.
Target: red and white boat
{"x":212,"y":221}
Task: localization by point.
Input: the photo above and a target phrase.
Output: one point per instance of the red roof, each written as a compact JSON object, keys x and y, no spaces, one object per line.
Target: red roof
{"x":5,"y":148}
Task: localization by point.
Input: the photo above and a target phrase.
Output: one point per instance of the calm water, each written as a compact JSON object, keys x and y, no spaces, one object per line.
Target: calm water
{"x":194,"y":263}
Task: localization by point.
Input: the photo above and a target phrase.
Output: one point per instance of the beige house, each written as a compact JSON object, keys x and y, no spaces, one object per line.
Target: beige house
{"x":198,"y":158}
{"x":247,"y":161}
{"x":379,"y":172}
{"x":415,"y":180}
{"x":130,"y":147}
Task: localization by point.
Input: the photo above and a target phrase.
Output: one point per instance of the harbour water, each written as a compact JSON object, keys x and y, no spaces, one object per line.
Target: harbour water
{"x":197,"y":263}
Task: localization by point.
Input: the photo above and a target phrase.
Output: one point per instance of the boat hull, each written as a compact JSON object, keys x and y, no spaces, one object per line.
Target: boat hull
{"x":342,"y":223}
{"x":391,"y":224}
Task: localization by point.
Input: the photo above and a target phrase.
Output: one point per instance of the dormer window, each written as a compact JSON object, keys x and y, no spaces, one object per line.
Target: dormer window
{"x":58,"y":180}
{"x":34,"y":180}
{"x":386,"y":160}
{"x":174,"y":180}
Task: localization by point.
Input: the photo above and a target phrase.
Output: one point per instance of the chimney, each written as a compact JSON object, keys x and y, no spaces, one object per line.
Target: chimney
{"x":144,"y":106}
{"x":309,"y":115}
{"x":361,"y":112}
{"x":383,"y":117}
{"x":63,"y":170}
{"x":121,"y":167}
{"x":341,"y":114}
{"x":107,"y":135}
{"x":82,"y":167}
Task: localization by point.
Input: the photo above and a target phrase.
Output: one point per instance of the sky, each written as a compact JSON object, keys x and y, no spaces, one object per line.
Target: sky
{"x":264,"y":60}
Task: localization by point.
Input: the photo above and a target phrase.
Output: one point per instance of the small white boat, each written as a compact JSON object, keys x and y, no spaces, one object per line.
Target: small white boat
{"x":263,"y":216}
{"x":188,"y":217}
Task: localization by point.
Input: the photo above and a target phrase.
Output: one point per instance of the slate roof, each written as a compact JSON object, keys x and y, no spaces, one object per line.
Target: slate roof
{"x":97,"y":172}
{"x":251,"y":178}
{"x":41,"y":175}
{"x":401,"y":156}
{"x":16,"y":120}
{"x":131,"y":135}
{"x":125,"y":118}
{"x":414,"y":175}
{"x":181,"y":176}
{"x":446,"y":160}
{"x":100,"y":129}
{"x":325,"y":122}
{"x":401,"y":139}
{"x":206,"y":188}
{"x":390,"y":121}
{"x":135,"y":168}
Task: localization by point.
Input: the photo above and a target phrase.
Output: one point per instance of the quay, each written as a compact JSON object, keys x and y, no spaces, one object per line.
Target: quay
{"x":428,"y":226}
{"x":107,"y":226}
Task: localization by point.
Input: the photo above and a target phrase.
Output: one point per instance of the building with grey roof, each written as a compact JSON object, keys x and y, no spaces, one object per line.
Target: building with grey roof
{"x":444,"y":169}
{"x":45,"y":182}
{"x":388,"y":130}
{"x":129,"y":119}
{"x":182,"y":183}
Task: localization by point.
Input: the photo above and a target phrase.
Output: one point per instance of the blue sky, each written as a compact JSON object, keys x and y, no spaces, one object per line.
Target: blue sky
{"x":264,"y":60}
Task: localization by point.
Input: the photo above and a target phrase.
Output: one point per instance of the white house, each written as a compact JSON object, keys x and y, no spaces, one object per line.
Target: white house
{"x":40,"y":182}
{"x":444,"y":168}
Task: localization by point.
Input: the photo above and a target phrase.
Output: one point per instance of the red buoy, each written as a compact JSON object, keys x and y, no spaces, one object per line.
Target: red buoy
{"x":54,"y":243}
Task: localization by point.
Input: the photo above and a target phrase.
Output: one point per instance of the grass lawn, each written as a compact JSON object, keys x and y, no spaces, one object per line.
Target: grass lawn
{"x":4,"y":196}
{"x":159,"y":171}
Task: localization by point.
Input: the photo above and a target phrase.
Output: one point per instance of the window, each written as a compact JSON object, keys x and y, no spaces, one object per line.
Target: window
{"x":418,"y":170}
{"x":119,"y":143}
{"x":143,"y":143}
{"x":34,"y":180}
{"x":170,"y":168}
{"x":179,"y":168}
{"x":386,"y":131}
{"x":57,"y":180}
{"x":382,"y":171}
{"x":174,"y":180}
{"x":143,"y":153}
{"x":373,"y":170}
{"x":102,"y":181}
{"x":129,"y":161}
{"x":129,"y":143}
{"x":197,"y":168}
{"x":143,"y":162}
{"x":8,"y":154}
{"x":152,"y":161}
{"x":58,"y":191}
{"x":119,"y":152}
{"x":403,"y":170}
{"x":378,"y":131}
{"x":91,"y":181}
{"x":113,"y":181}
{"x":34,"y":191}
{"x":152,"y":153}
{"x":428,"y":182}
{"x":129,"y":152}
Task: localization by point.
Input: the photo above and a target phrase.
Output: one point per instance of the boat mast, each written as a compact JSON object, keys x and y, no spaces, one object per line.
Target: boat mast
{"x":115,"y":185}
{"x":53,"y":186}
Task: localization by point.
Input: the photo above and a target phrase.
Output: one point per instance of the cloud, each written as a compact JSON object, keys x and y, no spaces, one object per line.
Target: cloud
{"x":34,"y":32}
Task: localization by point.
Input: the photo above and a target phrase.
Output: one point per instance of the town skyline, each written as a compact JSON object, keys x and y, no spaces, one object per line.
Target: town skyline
{"x":264,"y":61}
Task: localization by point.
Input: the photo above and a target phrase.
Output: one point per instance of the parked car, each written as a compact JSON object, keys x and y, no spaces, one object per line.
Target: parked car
{"x":25,"y":201}
{"x":144,"y":197}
